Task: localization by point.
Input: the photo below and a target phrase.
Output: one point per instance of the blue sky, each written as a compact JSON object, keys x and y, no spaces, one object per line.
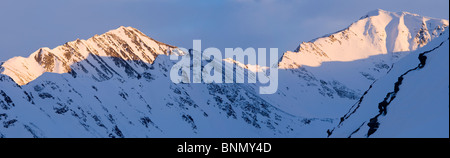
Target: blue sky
{"x":27,"y":25}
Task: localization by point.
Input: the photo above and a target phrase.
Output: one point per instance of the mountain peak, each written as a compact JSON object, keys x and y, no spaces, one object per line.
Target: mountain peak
{"x":378,"y":12}
{"x":125,"y":43}
{"x":122,"y":28}
{"x":378,"y":32}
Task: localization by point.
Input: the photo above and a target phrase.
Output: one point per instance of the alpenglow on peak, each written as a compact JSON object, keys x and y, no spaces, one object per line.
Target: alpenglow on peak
{"x":378,"y":32}
{"x":125,"y":43}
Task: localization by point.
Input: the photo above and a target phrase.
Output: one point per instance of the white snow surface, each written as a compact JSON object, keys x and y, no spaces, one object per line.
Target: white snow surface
{"x":421,"y":106}
{"x":379,"y":32}
{"x":127,"y":42}
{"x":117,"y":85}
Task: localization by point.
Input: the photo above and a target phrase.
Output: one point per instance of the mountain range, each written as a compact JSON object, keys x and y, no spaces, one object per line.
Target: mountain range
{"x":386,"y":75}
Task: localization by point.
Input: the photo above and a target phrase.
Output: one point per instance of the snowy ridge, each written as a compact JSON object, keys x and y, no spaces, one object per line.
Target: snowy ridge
{"x":415,"y":100}
{"x":118,"y":85}
{"x":150,"y":106}
{"x":113,"y":96}
{"x":125,"y":42}
{"x":250,"y":67}
{"x":378,"y":32}
{"x":342,"y":65}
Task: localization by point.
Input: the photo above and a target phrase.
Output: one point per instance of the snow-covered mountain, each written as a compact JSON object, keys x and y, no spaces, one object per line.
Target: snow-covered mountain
{"x":123,"y":43}
{"x":410,"y":101}
{"x":117,"y":85}
{"x":378,"y":32}
{"x":322,"y":78}
{"x":111,"y":91}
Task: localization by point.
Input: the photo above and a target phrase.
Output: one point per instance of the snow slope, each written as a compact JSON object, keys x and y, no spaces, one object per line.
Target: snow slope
{"x":125,"y":42}
{"x":117,"y":85}
{"x":378,"y":32}
{"x":113,"y":95}
{"x":322,"y":78}
{"x":416,"y":93}
{"x":59,"y":105}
